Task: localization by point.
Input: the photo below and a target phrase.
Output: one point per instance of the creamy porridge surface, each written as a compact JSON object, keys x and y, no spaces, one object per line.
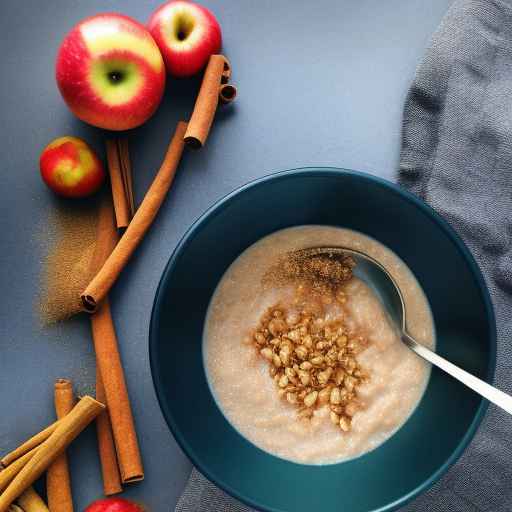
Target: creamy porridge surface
{"x":240,"y":379}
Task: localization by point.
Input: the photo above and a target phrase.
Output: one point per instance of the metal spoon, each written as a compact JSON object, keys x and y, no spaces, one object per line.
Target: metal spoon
{"x":390,"y":295}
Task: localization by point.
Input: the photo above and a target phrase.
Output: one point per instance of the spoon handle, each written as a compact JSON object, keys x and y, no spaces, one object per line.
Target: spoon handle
{"x":481,"y":387}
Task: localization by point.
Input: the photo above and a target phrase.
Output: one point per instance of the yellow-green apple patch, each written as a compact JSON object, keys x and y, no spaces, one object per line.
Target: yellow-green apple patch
{"x":115,"y":81}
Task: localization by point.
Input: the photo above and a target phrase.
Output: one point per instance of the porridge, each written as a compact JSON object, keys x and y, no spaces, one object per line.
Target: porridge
{"x":300,"y":355}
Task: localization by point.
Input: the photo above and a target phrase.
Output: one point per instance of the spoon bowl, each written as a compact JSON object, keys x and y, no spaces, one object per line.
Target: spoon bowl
{"x":374,"y":274}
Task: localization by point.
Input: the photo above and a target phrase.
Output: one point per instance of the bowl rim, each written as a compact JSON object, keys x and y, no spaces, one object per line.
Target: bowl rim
{"x":393,"y":188}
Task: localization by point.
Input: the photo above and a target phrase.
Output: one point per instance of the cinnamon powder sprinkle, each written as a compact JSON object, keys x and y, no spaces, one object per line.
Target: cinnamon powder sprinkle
{"x":321,"y":273}
{"x":66,"y":269}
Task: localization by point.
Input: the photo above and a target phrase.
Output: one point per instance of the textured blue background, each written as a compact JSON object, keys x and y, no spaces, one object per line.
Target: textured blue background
{"x":320,"y":83}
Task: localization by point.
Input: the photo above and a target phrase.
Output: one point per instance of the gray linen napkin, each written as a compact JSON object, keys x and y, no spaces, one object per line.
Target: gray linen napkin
{"x":456,"y":155}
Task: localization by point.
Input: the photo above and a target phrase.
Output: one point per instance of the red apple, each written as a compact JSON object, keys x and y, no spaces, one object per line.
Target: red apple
{"x":187,"y":34}
{"x":114,"y":505}
{"x":110,"y":72}
{"x":71,"y":168}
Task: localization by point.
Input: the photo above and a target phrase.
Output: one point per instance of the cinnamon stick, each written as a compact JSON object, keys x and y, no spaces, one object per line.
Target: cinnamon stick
{"x":227,"y":93}
{"x":126,"y":173}
{"x":28,"y":445}
{"x":58,"y":481}
{"x":116,"y":393}
{"x":217,"y":72}
{"x":106,"y":448}
{"x":121,"y":204}
{"x":226,"y":73}
{"x":30,"y":501}
{"x":7,"y":475}
{"x":67,"y":430}
{"x":106,"y":235}
{"x":142,"y":220}
{"x":109,"y":367}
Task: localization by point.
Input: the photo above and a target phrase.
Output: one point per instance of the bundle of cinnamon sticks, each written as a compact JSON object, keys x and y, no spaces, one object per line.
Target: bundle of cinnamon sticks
{"x":45,"y":452}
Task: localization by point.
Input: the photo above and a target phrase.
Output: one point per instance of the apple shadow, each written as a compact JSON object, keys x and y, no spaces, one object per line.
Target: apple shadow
{"x":82,"y":205}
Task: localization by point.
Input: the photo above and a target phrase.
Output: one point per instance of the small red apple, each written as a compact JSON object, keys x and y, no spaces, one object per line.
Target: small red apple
{"x":110,"y":72}
{"x":71,"y":168}
{"x":187,"y":34}
{"x":114,"y":505}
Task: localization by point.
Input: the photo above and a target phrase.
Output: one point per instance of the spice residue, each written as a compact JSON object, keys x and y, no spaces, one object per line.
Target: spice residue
{"x":322,"y":272}
{"x":67,"y":269}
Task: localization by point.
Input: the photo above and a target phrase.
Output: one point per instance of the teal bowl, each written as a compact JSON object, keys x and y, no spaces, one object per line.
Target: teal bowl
{"x":448,"y":415}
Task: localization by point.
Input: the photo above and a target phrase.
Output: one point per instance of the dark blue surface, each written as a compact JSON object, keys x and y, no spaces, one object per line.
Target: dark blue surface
{"x":320,"y":83}
{"x":448,"y":414}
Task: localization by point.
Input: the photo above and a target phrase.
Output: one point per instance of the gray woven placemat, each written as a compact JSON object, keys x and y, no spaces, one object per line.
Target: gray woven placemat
{"x":457,"y":156}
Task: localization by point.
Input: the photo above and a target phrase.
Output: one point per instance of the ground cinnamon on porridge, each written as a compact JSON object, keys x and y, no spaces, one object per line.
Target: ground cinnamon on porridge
{"x":322,"y":273}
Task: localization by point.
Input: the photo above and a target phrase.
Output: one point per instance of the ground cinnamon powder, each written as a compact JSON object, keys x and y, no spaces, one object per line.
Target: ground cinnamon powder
{"x":66,"y":268}
{"x":321,"y":273}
